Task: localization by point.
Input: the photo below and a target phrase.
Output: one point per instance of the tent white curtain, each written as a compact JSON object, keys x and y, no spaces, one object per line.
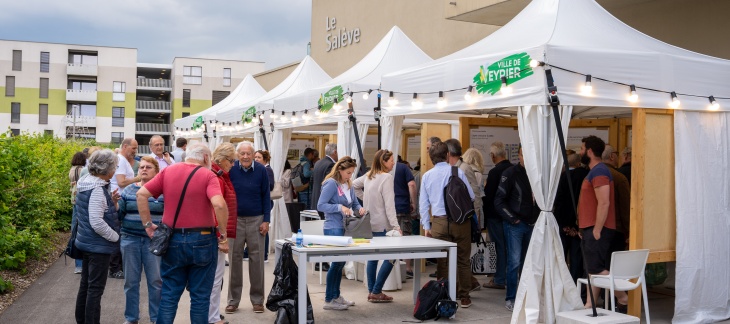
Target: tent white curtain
{"x":258,"y":142}
{"x":546,"y":287}
{"x":346,"y":139}
{"x":280,"y":226}
{"x":392,"y":132}
{"x":702,"y":190}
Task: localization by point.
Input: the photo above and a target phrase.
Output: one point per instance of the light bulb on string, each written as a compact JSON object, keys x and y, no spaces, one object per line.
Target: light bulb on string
{"x":391,"y":99}
{"x":468,"y":94}
{"x":587,"y":88}
{"x":441,"y":103}
{"x":337,"y":105}
{"x":506,"y":89}
{"x":714,"y":105}
{"x":535,"y":63}
{"x":306,"y":116}
{"x":633,"y":96}
{"x":283,"y":117}
{"x":349,"y":98}
{"x":294,"y":117}
{"x":366,"y":95}
{"x":675,"y":101}
{"x":273,"y":114}
{"x":416,"y":103}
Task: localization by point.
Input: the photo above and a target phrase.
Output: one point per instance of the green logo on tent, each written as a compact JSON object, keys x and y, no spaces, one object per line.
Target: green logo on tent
{"x":198,"y":122}
{"x":327,"y":99}
{"x":515,"y":67}
{"x":248,"y":115}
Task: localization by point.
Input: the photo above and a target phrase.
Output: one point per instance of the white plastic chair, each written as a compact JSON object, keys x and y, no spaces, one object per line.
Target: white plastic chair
{"x":625,"y":266}
{"x":315,"y":227}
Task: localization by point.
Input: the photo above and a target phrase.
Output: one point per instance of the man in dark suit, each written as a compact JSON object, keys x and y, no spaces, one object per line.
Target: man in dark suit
{"x":321,"y":169}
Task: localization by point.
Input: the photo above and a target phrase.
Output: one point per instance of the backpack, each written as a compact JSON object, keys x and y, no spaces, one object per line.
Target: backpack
{"x":297,"y":176}
{"x":428,"y":299}
{"x":459,"y":207}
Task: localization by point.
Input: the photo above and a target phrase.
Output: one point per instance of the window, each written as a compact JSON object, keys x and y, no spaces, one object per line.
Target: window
{"x":15,"y":131}
{"x":15,"y":112}
{"x":43,"y":114}
{"x":192,"y":75}
{"x":17,"y":60}
{"x":219,"y":95}
{"x":227,"y":77}
{"x":118,"y":116}
{"x":45,"y":61}
{"x":119,"y":89}
{"x":48,"y":132}
{"x":44,"y":88}
{"x":9,"y":86}
{"x":82,"y":85}
{"x":117,"y":137}
{"x":186,"y":97}
{"x":82,"y":58}
{"x":88,"y":110}
{"x":185,"y":114}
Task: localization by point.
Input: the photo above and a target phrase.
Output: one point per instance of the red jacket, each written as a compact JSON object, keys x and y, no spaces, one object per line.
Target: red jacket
{"x":230,"y":196}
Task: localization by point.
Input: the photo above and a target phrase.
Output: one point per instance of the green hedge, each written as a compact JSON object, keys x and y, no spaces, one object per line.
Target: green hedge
{"x":34,"y":194}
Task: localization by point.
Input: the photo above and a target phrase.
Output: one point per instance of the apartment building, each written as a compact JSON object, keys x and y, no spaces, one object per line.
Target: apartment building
{"x":103,"y":93}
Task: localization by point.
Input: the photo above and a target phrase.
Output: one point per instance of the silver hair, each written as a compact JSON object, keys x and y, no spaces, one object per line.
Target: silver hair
{"x":245,"y":143}
{"x":330,"y":149}
{"x":197,"y":152}
{"x":157,"y":137}
{"x":607,"y":152}
{"x":497,"y":149}
{"x":102,"y":162}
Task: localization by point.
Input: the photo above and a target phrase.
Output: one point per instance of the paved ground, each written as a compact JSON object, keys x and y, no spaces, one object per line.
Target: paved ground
{"x":51,"y":299}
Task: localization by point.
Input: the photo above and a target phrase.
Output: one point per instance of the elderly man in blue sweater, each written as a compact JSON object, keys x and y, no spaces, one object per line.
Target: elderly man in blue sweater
{"x":251,"y":184}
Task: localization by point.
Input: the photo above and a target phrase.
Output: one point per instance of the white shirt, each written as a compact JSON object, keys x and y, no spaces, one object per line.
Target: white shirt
{"x":123,"y":167}
{"x":346,"y":190}
{"x":161,"y":161}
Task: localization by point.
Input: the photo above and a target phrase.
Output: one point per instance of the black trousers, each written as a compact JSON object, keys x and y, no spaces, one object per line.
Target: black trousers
{"x":573,"y":255}
{"x":91,"y":288}
{"x":115,"y":262}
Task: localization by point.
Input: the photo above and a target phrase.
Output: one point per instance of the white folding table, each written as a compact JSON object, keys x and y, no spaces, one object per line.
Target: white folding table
{"x":380,"y":248}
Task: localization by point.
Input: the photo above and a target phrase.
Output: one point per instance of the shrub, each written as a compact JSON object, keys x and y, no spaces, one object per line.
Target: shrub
{"x":34,"y":194}
{"x":5,"y":286}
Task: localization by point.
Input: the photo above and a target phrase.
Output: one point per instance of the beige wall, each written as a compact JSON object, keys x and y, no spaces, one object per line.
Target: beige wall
{"x":271,"y":78}
{"x":424,"y":21}
{"x":212,"y":75}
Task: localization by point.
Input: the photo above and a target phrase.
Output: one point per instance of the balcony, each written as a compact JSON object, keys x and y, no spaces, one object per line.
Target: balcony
{"x":81,"y":69}
{"x":81,"y":121}
{"x":81,"y":95}
{"x":153,"y":106}
{"x":154,"y":83}
{"x":152,"y":129}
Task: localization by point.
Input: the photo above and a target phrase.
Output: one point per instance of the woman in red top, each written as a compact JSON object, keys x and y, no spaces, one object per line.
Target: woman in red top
{"x":223,"y":158}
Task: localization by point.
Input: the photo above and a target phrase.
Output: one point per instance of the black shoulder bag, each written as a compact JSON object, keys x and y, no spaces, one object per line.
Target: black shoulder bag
{"x":160,"y":240}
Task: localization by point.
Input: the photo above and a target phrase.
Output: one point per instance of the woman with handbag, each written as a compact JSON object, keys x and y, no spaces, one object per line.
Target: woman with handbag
{"x":377,"y":189}
{"x":135,"y":245}
{"x":97,"y":234}
{"x":263,"y":157}
{"x":338,"y":201}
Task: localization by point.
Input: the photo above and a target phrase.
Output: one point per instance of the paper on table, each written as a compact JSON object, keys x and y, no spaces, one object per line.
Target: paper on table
{"x":325,"y":240}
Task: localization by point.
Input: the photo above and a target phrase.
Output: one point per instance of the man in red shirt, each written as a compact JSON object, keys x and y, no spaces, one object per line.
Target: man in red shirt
{"x":193,"y":251}
{"x":597,"y":215}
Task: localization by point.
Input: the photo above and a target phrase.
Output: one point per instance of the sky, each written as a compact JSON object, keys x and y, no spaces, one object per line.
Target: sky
{"x":271,"y":31}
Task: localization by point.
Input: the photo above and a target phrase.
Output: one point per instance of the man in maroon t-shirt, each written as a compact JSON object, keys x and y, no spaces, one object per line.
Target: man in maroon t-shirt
{"x":192,"y":255}
{"x":597,"y":215}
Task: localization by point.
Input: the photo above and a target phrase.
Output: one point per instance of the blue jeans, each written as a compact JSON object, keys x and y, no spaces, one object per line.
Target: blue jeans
{"x":190,"y":261}
{"x":496,"y":233}
{"x":375,"y":285}
{"x":518,"y":239}
{"x":135,"y":256}
{"x":334,"y":274}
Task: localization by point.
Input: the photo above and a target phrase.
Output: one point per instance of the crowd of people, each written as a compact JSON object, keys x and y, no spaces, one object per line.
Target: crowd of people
{"x":219,"y":204}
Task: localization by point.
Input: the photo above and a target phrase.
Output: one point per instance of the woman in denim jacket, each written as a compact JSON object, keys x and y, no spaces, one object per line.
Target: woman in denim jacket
{"x":337,"y":201}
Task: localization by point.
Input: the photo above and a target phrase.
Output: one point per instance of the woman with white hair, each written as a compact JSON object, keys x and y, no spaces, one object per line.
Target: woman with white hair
{"x":98,"y":232}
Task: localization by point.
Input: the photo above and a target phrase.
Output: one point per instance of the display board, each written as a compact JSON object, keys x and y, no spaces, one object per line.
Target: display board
{"x":369,"y":148}
{"x":482,"y":138}
{"x":296,"y":149}
{"x":413,"y":151}
{"x":576,"y":135}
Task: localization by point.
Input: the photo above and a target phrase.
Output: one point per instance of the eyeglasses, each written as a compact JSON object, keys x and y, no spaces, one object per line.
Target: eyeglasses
{"x":231,"y":160}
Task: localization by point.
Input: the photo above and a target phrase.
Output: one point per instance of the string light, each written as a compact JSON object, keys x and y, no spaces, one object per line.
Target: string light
{"x":337,"y":105}
{"x":349,"y":97}
{"x":535,"y":63}
{"x":416,"y":103}
{"x":366,"y":95}
{"x":294,"y":118}
{"x":467,"y":95}
{"x":675,"y":101}
{"x":506,"y":89}
{"x":283,"y":117}
{"x":441,"y":103}
{"x":714,"y":105}
{"x":587,"y":87}
{"x":633,"y":97}
{"x":391,"y":99}
{"x":306,"y":116}
{"x":273,"y":114}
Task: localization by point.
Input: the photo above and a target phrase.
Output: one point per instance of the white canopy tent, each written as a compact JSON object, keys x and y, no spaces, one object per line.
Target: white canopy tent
{"x":574,"y":38}
{"x":246,"y":91}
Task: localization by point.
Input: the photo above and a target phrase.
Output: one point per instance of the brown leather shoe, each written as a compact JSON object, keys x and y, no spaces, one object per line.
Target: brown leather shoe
{"x":465,"y":302}
{"x":230,"y":309}
{"x":379,"y":298}
{"x":258,"y":308}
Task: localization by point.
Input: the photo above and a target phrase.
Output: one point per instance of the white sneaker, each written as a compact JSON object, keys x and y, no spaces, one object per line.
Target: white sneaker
{"x":343,"y":301}
{"x":333,"y":305}
{"x":509,"y":305}
{"x":77,"y":270}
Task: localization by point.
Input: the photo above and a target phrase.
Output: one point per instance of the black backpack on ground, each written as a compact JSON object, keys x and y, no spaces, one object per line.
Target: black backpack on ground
{"x":459,"y":206}
{"x":429,"y":297}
